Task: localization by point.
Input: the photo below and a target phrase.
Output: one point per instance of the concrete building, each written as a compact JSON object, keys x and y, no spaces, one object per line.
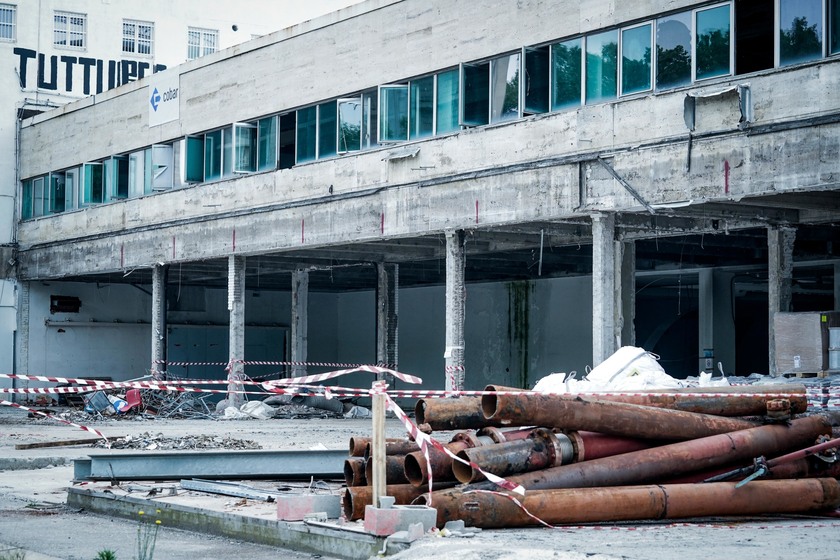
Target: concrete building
{"x":481,"y":192}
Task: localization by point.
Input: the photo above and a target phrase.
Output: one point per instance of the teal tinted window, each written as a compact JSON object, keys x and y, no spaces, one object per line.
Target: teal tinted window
{"x":448,"y":102}
{"x":673,"y":51}
{"x":713,"y":42}
{"x":567,"y":74}
{"x":800,"y":31}
{"x":194,"y":168}
{"x":476,"y":94}
{"x":57,"y":190}
{"x":307,"y":126}
{"x":636,"y":59}
{"x":227,"y":151}
{"x":244,"y":148}
{"x":267,"y":144}
{"x":601,"y":66}
{"x":40,"y":198}
{"x":26,"y":200}
{"x":421,"y":108}
{"x":504,"y":88}
{"x":349,"y":124}
{"x":536,"y":80}
{"x":93,"y":184}
{"x":213,"y":155}
{"x":834,"y":26}
{"x":327,"y":129}
{"x":393,"y":113}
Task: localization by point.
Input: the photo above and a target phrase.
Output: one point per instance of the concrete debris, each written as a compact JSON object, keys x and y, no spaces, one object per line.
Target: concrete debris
{"x":159,"y":442}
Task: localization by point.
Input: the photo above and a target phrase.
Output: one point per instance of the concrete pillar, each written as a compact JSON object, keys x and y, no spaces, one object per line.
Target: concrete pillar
{"x":706,"y":320}
{"x":837,"y":286}
{"x":300,"y":320}
{"x":21,"y":343}
{"x":455,"y":310}
{"x":159,"y":320}
{"x":387,"y":312}
{"x":627,"y":294}
{"x":604,"y":329}
{"x":236,"y":307}
{"x":779,"y":274}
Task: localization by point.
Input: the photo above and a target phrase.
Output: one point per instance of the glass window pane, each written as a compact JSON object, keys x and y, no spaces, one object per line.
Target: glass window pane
{"x":307,"y":124}
{"x":56,"y":193}
{"x":447,"y":102}
{"x":370,"y":119}
{"x":536,"y":83}
{"x":800,"y":31}
{"x":673,"y":51}
{"x":71,"y":180}
{"x":349,"y":125}
{"x":26,"y":200}
{"x":93,"y":184}
{"x":267,"y":144}
{"x":227,"y":151}
{"x":601,"y":66}
{"x":635,"y":59}
{"x":327,"y":129}
{"x":476,"y":80}
{"x":213,"y":155}
{"x":421,"y":107}
{"x":38,"y":197}
{"x":834,"y":26}
{"x":566,"y":67}
{"x":393,"y":113}
{"x":120,"y":177}
{"x":162,"y":165}
{"x":286,"y":140}
{"x":504,"y":92}
{"x":712,"y":42}
{"x":244,"y":148}
{"x":195,"y":161}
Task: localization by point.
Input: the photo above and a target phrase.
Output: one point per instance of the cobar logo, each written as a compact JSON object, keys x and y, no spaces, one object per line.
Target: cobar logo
{"x":155,"y":100}
{"x":163,"y":102}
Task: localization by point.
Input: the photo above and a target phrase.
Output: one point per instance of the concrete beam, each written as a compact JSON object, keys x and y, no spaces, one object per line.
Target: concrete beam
{"x":779,"y":280}
{"x":236,"y":307}
{"x":455,"y":311}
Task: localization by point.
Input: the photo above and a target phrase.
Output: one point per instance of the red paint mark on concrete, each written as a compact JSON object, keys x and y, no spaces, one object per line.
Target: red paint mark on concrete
{"x":382,"y":223}
{"x":173,"y":246}
{"x":476,"y":211}
{"x":726,"y":176}
{"x":234,"y":240}
{"x":302,"y":231}
{"x":122,"y":256}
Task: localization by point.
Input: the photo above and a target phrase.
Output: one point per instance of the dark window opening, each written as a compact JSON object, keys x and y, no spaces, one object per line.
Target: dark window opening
{"x":753,"y":35}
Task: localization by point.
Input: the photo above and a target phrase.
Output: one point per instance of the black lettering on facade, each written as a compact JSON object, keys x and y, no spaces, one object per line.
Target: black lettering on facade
{"x":68,"y":61}
{"x":128,"y":71}
{"x":52,"y":84}
{"x":86,"y":64}
{"x":24,"y":55}
{"x":99,"y":65}
{"x":141,"y":69}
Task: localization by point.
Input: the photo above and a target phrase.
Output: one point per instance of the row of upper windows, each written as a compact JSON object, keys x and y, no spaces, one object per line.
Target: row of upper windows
{"x":70,"y":31}
{"x":671,"y":51}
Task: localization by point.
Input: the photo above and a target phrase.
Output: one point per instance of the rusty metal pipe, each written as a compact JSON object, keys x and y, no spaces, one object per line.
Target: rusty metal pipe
{"x":354,"y":471}
{"x":402,"y":447}
{"x":358,"y":444}
{"x":501,"y":436}
{"x":634,"y":503}
{"x":394,"y":469}
{"x":620,"y":419}
{"x":354,"y":499}
{"x":594,"y":445}
{"x":417,"y":469}
{"x":452,"y":414}
{"x":658,"y":463}
{"x":541,"y":449}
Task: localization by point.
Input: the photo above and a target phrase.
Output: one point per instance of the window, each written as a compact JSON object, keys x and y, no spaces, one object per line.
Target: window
{"x":673,"y":51}
{"x":26,"y":199}
{"x":194,"y":155}
{"x":393,"y":114}
{"x":636,"y":68}
{"x":475,"y":85}
{"x":57,"y":193}
{"x":8,"y":22}
{"x":504,"y":88}
{"x":286,"y":140}
{"x":567,"y":74}
{"x":800,"y":31}
{"x":40,"y":197}
{"x":307,"y":132}
{"x":267,"y":144}
{"x":421,"y":110}
{"x":138,"y":37}
{"x":834,"y":26}
{"x":601,"y":66}
{"x":755,"y":32}
{"x":92,"y":188}
{"x":535,"y":92}
{"x":116,"y":178}
{"x":70,"y":30}
{"x":349,"y":124}
{"x":201,"y":42}
{"x":448,"y":102}
{"x":244,"y":147}
{"x":713,"y":49}
{"x":327,"y":129}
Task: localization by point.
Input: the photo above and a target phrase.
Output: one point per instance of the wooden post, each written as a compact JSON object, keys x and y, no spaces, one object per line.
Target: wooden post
{"x":377,"y":448}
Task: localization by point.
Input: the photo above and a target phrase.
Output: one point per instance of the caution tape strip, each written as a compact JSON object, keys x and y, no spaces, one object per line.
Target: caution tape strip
{"x":62,"y":420}
{"x":338,"y":373}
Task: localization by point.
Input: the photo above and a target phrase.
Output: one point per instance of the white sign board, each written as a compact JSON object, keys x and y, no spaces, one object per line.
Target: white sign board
{"x":164,"y":98}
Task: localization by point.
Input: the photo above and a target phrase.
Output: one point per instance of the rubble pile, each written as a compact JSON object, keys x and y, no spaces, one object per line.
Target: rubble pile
{"x":159,"y":442}
{"x":648,"y":454}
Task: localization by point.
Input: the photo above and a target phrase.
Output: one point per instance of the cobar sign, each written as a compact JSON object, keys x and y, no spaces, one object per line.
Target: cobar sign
{"x":164,"y":98}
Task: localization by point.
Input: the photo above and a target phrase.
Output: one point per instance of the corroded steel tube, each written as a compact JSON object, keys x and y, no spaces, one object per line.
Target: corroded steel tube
{"x":633,"y":503}
{"x":354,"y":499}
{"x":358,"y":444}
{"x":501,"y":436}
{"x":542,"y":449}
{"x":394,"y":469}
{"x":452,"y":414}
{"x":593,"y":445}
{"x":354,"y":471}
{"x":620,"y":419}
{"x":658,"y":463}
{"x":402,"y":447}
{"x":417,"y":469}
{"x":733,"y":401}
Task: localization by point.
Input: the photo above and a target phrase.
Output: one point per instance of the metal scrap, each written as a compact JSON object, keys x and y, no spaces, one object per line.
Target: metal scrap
{"x":159,"y":442}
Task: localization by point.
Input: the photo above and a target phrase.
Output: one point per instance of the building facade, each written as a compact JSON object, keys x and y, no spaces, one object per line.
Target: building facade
{"x":536,"y":184}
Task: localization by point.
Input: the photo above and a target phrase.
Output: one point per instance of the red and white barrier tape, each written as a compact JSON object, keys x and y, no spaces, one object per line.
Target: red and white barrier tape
{"x":338,"y":373}
{"x":259,"y":363}
{"x":62,"y":420}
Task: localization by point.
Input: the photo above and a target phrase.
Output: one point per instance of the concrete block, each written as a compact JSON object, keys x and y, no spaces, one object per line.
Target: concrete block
{"x":296,"y":508}
{"x":389,"y":520}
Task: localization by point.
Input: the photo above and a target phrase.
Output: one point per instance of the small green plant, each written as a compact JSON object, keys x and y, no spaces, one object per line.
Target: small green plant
{"x":106,"y":555}
{"x":16,"y":555}
{"x":147,"y":536}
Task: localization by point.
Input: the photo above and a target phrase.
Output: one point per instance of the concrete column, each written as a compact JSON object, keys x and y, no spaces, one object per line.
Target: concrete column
{"x":21,"y":343}
{"x":627,"y":294}
{"x":455,"y":310}
{"x":706,"y":320}
{"x":603,"y":287}
{"x":779,"y":274}
{"x":300,"y":320}
{"x":236,"y":307}
{"x":837,"y":286}
{"x":387,"y":307}
{"x":159,"y":320}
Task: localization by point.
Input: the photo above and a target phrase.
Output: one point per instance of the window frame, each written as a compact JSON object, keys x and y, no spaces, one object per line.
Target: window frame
{"x":600,"y":98}
{"x":825,"y":48}
{"x":11,"y":25}
{"x":135,"y":39}
{"x":581,"y":45}
{"x":438,"y":103}
{"x":250,"y":129}
{"x":694,"y":12}
{"x":201,"y":48}
{"x":651,"y":74}
{"x":68,"y":32}
{"x":392,"y":138}
{"x":339,"y":121}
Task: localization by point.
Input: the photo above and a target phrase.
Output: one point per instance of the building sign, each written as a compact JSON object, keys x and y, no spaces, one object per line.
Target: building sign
{"x":164,"y":98}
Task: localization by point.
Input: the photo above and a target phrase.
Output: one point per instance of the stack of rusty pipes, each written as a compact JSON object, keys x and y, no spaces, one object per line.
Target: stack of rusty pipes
{"x":622,"y":457}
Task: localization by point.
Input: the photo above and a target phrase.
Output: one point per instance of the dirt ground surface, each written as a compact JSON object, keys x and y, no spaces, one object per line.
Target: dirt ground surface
{"x":35,"y":519}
